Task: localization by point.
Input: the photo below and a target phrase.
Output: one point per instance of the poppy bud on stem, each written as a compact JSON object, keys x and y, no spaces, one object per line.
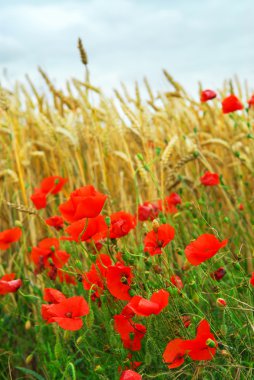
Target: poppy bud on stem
{"x":107,"y":221}
{"x":28,"y":325}
{"x":18,"y":223}
{"x":29,"y":358}
{"x":156,"y":225}
{"x":79,"y":340}
{"x":210,"y":343}
{"x":221,"y":302}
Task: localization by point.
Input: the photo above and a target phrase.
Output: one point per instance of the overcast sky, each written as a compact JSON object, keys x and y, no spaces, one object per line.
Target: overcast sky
{"x":207,"y":40}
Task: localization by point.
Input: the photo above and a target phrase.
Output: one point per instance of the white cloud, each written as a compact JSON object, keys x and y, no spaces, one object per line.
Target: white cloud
{"x":126,"y":39}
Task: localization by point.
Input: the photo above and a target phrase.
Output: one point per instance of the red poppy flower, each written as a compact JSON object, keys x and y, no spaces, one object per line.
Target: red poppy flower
{"x":53,"y":295}
{"x":84,"y":202}
{"x":121,"y":224}
{"x":148,"y":211}
{"x":252,"y":279}
{"x":55,"y":221}
{"x":176,"y":281}
{"x":210,"y":179}
{"x":203,"y":248}
{"x":8,"y":284}
{"x":53,"y":184}
{"x":103,"y":262}
{"x":7,"y":237}
{"x":130,"y":375}
{"x":95,"y":277}
{"x":155,"y":241}
{"x":170,"y":202}
{"x":131,"y":333}
{"x":85,"y":229}
{"x":218,"y":274}
{"x":49,"y":185}
{"x":251,"y":101}
{"x":203,"y":347}
{"x":174,"y":353}
{"x":67,"y":313}
{"x":39,"y":199}
{"x":119,"y":278}
{"x":48,"y":249}
{"x":231,"y":104}
{"x":174,"y":199}
{"x":207,"y":95}
{"x":144,"y":307}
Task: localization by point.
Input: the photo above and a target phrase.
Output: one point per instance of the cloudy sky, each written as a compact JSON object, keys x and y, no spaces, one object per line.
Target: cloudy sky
{"x":207,"y":40}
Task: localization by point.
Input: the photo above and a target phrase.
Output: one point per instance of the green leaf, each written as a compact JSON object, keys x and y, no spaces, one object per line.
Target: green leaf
{"x":30,"y":372}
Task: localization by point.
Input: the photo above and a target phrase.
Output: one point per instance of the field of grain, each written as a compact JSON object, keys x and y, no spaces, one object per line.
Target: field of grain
{"x":134,"y":147}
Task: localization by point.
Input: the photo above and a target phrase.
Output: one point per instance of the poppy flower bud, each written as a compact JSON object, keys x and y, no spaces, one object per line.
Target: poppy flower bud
{"x":53,"y":248}
{"x":157,"y":269}
{"x":163,"y":219}
{"x":79,"y":265}
{"x":108,"y":221}
{"x":50,"y":261}
{"x":221,"y":302}
{"x":173,"y":290}
{"x":156,"y":225}
{"x":225,"y":353}
{"x":186,"y":319}
{"x":79,"y":340}
{"x":58,"y":350}
{"x":28,"y":325}
{"x":176,"y":281}
{"x":140,"y":157}
{"x":210,"y":343}
{"x":29,"y":358}
{"x":146,"y":167}
{"x":18,"y":223}
{"x":186,"y":266}
{"x":131,"y":292}
{"x":98,"y":369}
{"x":218,"y":274}
{"x":66,"y":335}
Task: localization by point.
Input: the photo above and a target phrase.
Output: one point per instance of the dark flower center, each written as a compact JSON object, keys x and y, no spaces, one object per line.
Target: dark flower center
{"x":160,"y":243}
{"x":68,"y":315}
{"x":124,"y":280}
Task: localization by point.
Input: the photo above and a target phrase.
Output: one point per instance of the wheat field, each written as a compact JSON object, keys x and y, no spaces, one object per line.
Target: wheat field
{"x":134,"y":146}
